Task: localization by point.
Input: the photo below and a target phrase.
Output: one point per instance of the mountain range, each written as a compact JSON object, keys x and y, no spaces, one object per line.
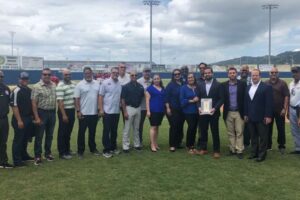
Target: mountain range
{"x":285,"y":58}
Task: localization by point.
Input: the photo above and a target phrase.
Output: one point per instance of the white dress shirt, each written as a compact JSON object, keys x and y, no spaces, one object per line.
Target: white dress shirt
{"x":253,"y":89}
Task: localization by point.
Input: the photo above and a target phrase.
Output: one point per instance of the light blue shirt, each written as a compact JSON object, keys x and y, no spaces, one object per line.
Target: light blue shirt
{"x":111,"y":92}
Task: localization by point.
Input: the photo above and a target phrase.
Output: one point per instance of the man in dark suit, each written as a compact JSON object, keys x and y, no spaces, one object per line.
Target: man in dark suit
{"x":210,"y":89}
{"x":233,"y":92}
{"x":258,"y":113}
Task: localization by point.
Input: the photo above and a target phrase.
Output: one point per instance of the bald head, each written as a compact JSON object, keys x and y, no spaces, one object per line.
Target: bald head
{"x":65,"y":71}
{"x":273,"y":74}
{"x":66,"y":75}
{"x":133,"y":75}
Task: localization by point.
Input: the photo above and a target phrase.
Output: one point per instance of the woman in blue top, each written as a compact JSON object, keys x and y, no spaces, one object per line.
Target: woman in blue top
{"x":189,"y":101}
{"x":155,"y":104}
{"x":174,"y":112}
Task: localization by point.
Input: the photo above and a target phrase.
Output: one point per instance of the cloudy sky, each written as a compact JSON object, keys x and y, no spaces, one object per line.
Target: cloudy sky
{"x":191,"y":30}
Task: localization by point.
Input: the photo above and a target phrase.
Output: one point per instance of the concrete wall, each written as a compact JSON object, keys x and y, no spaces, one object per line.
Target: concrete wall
{"x":11,"y":76}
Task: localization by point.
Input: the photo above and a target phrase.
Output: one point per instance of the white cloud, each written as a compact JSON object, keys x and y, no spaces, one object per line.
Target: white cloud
{"x":192,"y":31}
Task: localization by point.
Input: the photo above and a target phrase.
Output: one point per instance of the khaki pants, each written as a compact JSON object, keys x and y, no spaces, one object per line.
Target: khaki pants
{"x":235,"y":126}
{"x":134,"y":116}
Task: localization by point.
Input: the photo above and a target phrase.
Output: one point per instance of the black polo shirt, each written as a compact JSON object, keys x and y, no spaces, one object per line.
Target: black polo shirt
{"x":133,"y":93}
{"x":21,"y":97}
{"x":4,"y":100}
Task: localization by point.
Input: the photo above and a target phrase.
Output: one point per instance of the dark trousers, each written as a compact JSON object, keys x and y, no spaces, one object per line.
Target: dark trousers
{"x":259,"y":138}
{"x":141,"y":128}
{"x":192,"y":121}
{"x":90,"y":122}
{"x":213,"y":121}
{"x":64,"y":131}
{"x":280,"y":124}
{"x":110,"y":131}
{"x":247,"y":135}
{"x":48,"y":119}
{"x":176,"y":121}
{"x":21,"y":137}
{"x":4,"y":128}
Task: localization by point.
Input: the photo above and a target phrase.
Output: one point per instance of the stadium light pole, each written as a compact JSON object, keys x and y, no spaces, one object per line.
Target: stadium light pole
{"x":270,"y":7}
{"x":12,"y":34}
{"x":151,"y":3}
{"x":160,"y":42}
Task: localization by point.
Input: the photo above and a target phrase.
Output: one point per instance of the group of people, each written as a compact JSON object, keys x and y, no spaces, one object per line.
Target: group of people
{"x":250,"y":106}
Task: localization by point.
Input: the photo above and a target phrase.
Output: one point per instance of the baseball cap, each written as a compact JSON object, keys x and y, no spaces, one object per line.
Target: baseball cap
{"x":295,"y":69}
{"x":24,"y":75}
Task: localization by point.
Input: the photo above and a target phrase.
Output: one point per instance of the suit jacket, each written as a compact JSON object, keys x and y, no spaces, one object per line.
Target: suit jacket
{"x":241,"y":88}
{"x":261,"y":105}
{"x":214,"y":94}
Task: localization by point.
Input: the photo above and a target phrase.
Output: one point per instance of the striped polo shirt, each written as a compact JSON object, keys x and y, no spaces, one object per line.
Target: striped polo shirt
{"x":65,"y":92}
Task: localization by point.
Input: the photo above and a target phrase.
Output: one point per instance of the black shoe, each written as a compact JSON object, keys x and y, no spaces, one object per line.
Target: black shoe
{"x":6,"y":166}
{"x":259,"y":159}
{"x":37,"y":161}
{"x":231,"y":153}
{"x":138,"y":148}
{"x":240,"y":155}
{"x":49,"y":157}
{"x":295,"y":152}
{"x":18,"y":165}
{"x":80,"y":156}
{"x":28,"y":158}
{"x":282,"y":151}
{"x":252,"y":157}
{"x":65,"y":157}
{"x":96,"y":153}
{"x":125,"y":150}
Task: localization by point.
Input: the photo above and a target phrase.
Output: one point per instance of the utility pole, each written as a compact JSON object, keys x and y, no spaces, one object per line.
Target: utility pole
{"x":151,"y":3}
{"x":270,"y":7}
{"x":12,"y":34}
{"x":160,"y":41}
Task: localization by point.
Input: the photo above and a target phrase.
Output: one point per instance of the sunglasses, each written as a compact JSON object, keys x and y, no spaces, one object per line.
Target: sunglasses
{"x":274,"y":72}
{"x":1,"y":76}
{"x":133,"y":75}
{"x":46,"y":74}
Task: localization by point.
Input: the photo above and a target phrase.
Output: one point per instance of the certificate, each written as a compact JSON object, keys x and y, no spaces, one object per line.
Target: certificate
{"x":206,"y":106}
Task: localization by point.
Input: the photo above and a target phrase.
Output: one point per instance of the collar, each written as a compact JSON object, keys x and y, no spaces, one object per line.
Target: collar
{"x":44,"y":84}
{"x":232,"y":83}
{"x":256,"y":85}
{"x":86,"y":82}
{"x":209,"y":82}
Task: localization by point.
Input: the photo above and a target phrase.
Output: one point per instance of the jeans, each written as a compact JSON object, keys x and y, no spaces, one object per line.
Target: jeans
{"x":48,"y":119}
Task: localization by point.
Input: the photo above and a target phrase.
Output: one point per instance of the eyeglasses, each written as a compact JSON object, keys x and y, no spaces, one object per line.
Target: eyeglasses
{"x":176,"y":74}
{"x":46,"y":74}
{"x":274,"y":72}
{"x":133,"y":75}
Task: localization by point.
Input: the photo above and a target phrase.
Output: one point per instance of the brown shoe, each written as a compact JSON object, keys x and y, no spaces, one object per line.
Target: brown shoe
{"x":216,"y":155}
{"x":192,"y":151}
{"x":202,"y":152}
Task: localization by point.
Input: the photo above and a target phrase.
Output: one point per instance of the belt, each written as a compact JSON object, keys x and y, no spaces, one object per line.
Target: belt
{"x":133,"y":106}
{"x":295,"y":107}
{"x":43,"y":110}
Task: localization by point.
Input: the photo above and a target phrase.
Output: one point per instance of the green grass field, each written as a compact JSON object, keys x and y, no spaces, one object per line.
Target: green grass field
{"x":162,"y":175}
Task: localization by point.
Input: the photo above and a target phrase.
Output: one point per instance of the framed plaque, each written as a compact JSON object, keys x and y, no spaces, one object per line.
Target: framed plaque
{"x":206,"y":106}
